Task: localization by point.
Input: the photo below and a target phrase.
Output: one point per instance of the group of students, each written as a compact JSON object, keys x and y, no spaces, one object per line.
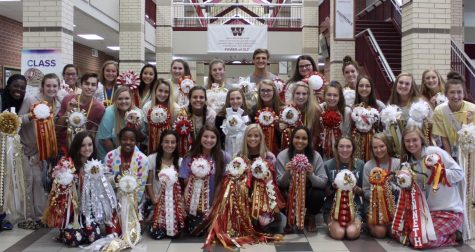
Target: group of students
{"x":194,"y":136}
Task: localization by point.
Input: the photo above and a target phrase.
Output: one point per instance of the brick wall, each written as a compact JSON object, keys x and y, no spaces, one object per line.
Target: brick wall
{"x":10,"y":44}
{"x":86,"y":62}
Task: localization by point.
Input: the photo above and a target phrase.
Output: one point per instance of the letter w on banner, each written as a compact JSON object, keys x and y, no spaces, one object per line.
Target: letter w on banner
{"x":236,"y":38}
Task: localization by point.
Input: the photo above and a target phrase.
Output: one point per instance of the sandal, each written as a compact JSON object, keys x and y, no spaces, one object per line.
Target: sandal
{"x":312,"y":224}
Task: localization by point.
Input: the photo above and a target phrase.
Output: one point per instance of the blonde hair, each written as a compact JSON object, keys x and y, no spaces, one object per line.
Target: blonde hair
{"x":102,"y":78}
{"x":262,"y":144}
{"x":310,"y":108}
{"x":413,"y":93}
{"x":119,"y":120}
{"x":410,"y":129}
{"x":425,"y":91}
{"x":386,"y":140}
{"x":170,"y":101}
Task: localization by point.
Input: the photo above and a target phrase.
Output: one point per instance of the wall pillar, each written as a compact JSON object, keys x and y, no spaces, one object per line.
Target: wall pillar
{"x":48,"y":24}
{"x":132,"y":35}
{"x":426,"y":35}
{"x":310,"y":30}
{"x":164,"y":37}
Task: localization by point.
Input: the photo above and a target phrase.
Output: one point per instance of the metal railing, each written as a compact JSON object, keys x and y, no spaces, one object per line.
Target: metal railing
{"x":378,"y":69}
{"x":382,"y":10}
{"x":462,"y":64}
{"x":203,"y":14}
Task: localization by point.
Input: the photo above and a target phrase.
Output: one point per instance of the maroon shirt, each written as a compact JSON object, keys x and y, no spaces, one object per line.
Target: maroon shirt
{"x":93,"y":118}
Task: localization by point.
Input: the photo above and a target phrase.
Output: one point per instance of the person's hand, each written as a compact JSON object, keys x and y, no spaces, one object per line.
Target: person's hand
{"x":357,"y":190}
{"x":310,"y":168}
{"x":288,"y":167}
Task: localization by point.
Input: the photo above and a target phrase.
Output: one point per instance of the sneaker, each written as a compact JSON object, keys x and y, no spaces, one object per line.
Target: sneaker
{"x":6,"y":225}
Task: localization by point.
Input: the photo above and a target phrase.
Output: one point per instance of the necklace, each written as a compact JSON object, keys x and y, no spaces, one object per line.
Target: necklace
{"x":108,"y":101}
{"x":89,"y":107}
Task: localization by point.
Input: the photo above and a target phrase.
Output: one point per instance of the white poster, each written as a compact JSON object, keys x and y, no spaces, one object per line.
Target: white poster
{"x":344,"y":19}
{"x":236,"y":38}
{"x":36,"y":63}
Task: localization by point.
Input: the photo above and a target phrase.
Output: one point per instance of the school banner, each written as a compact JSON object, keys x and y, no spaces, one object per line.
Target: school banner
{"x":344,"y":19}
{"x":236,"y":38}
{"x":36,"y":63}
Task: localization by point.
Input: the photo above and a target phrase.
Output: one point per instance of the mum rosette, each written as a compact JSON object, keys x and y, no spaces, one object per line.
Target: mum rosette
{"x":229,"y":220}
{"x":130,"y":79}
{"x":11,"y":172}
{"x":412,"y":218}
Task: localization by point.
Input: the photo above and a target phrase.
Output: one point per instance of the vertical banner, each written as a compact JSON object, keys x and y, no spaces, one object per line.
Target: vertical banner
{"x":344,"y":19}
{"x":236,"y":38}
{"x":36,"y":63}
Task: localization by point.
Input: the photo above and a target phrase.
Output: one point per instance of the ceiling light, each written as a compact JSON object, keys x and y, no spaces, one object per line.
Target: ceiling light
{"x":152,"y":63}
{"x":114,"y":48}
{"x":10,"y":0}
{"x":90,"y":36}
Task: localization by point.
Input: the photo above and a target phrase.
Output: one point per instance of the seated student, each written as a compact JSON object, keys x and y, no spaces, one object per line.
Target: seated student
{"x":344,"y":159}
{"x":127,"y":159}
{"x":301,"y":143}
{"x":445,"y":204}
{"x":382,"y":157}
{"x":205,"y":153}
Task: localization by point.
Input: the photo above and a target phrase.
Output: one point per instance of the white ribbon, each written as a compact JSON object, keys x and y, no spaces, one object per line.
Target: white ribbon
{"x":195,"y":195}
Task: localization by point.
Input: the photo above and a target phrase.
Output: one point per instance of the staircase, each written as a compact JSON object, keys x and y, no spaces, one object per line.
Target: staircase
{"x":388,"y":38}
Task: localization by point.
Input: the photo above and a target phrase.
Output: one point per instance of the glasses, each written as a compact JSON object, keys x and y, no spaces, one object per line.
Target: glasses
{"x":266,"y":91}
{"x":305,"y":66}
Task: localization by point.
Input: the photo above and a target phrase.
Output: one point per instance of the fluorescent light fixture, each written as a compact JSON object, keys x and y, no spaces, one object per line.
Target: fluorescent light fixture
{"x":236,"y":62}
{"x":321,"y":64}
{"x":114,"y":48}
{"x":152,"y":63}
{"x":90,"y":36}
{"x":10,"y":0}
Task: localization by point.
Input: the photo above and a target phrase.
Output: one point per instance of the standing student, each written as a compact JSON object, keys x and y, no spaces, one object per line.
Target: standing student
{"x":316,"y":177}
{"x":449,"y":117}
{"x":350,"y":72}
{"x":268,"y":103}
{"x":260,"y":59}
{"x":304,"y":67}
{"x":403,"y":94}
{"x":215,"y":90}
{"x":335,"y":119}
{"x":431,"y":85}
{"x":148,"y":79}
{"x":382,"y":157}
{"x":34,"y":170}
{"x":107,"y":82}
{"x":344,"y":159}
{"x":114,"y":121}
{"x":161,"y":100}
{"x":233,"y":114}
{"x":364,"y":126}
{"x":310,"y":112}
{"x":71,"y":77}
{"x":179,"y":70}
{"x":93,"y":108}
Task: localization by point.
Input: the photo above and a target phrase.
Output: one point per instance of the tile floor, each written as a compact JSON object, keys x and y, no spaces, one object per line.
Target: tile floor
{"x":42,"y":240}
